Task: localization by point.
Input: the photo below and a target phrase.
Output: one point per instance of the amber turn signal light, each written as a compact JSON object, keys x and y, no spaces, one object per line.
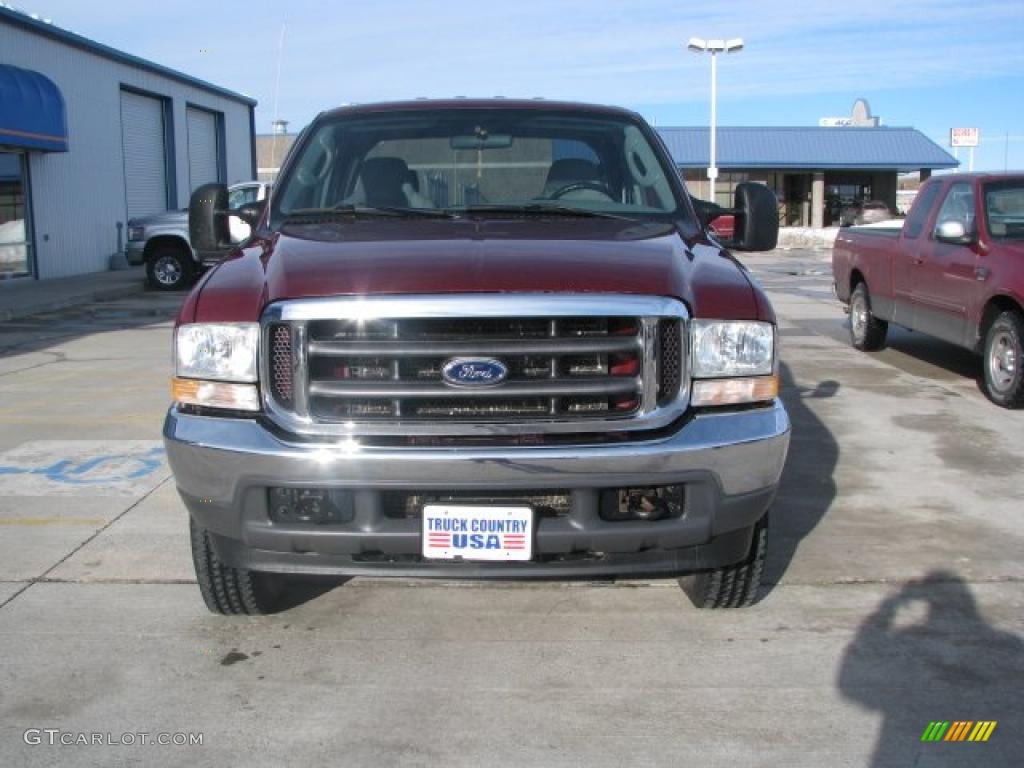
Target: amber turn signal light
{"x":754,"y":389}
{"x":215,"y":394}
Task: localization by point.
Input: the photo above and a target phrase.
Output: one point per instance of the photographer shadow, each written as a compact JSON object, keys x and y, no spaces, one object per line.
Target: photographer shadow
{"x":926,"y":654}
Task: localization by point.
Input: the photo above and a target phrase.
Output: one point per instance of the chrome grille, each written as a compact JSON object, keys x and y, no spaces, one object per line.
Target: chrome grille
{"x":574,"y":364}
{"x":557,"y":367}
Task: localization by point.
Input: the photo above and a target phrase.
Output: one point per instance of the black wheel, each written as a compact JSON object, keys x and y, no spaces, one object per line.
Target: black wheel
{"x":867,"y":332}
{"x":169,"y":268}
{"x":1004,"y":360}
{"x":734,"y":586}
{"x":230,"y":590}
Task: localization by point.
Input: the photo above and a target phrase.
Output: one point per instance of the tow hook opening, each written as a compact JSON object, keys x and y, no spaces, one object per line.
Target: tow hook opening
{"x":660,"y":502}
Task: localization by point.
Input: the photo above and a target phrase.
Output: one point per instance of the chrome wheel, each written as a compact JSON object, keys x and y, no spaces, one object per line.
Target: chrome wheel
{"x":167,"y":271}
{"x":858,"y":315}
{"x":1002,"y":361}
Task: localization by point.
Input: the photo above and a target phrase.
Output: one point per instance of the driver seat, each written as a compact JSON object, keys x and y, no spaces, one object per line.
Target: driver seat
{"x":569,"y":170}
{"x":383,"y":179}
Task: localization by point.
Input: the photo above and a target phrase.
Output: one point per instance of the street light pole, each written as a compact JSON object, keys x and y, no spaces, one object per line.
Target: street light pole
{"x":713,"y":164}
{"x":714,"y":47}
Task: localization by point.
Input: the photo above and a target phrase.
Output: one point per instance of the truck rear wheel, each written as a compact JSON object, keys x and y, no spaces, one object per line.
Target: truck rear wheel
{"x":735,"y":586}
{"x":169,"y":268}
{"x":229,"y":590}
{"x":867,"y":332}
{"x":1004,"y":360}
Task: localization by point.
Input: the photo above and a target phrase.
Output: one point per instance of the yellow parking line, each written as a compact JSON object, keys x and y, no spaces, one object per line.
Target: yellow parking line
{"x":39,"y":521}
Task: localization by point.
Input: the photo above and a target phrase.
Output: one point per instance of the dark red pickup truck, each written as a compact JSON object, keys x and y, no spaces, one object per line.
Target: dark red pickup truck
{"x":955,"y":270}
{"x":478,"y":339}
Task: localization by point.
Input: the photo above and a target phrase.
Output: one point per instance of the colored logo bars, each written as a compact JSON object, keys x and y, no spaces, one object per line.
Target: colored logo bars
{"x":959,"y":730}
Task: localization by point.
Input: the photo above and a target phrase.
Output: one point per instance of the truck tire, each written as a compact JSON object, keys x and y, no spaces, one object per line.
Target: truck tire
{"x":169,"y":268}
{"x":867,"y":332}
{"x":229,"y":590}
{"x":735,"y":586}
{"x":1004,"y":360}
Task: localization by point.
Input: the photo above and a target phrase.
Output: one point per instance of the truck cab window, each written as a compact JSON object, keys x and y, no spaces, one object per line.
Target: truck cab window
{"x":242,"y":195}
{"x":958,"y":206}
{"x":914,"y":224}
{"x":1004,"y":209}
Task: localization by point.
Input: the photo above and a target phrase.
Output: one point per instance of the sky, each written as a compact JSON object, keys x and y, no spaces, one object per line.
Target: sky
{"x":930,"y":64}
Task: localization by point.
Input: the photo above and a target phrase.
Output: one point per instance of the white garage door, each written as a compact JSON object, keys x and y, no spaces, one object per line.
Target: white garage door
{"x":203,"y":165}
{"x":145,"y":165}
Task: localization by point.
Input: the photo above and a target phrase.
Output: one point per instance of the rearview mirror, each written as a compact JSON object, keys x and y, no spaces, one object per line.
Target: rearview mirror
{"x":481,"y":141}
{"x":954,"y":232}
{"x":208,"y":229}
{"x":757,"y":218}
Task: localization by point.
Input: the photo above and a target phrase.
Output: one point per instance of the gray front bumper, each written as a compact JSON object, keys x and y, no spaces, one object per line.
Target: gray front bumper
{"x":134,"y":250}
{"x":731,"y":463}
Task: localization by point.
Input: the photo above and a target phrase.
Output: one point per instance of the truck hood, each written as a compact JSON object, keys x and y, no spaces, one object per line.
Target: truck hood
{"x":378,"y":257}
{"x":154,"y":219}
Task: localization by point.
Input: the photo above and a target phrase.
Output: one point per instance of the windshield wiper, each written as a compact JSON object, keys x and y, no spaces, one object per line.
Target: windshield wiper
{"x":543,"y":209}
{"x":348,"y":210}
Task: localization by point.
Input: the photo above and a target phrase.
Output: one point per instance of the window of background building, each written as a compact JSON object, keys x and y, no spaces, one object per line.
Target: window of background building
{"x":14,"y":244}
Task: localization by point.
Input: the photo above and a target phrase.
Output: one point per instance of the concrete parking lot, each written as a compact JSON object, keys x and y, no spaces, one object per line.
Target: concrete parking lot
{"x":894,"y":595}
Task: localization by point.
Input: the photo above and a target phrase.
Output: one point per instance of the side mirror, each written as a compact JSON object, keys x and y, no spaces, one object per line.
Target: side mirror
{"x":954,"y":232}
{"x":207,"y":220}
{"x":757,"y":218}
{"x":706,"y":211}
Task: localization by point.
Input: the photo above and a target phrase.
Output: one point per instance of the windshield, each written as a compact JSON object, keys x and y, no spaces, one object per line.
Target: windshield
{"x":478,"y":160}
{"x":1004,"y":209}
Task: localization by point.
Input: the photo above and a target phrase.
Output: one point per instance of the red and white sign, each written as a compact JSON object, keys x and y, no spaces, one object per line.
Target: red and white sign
{"x":453,"y":532}
{"x":964,"y":137}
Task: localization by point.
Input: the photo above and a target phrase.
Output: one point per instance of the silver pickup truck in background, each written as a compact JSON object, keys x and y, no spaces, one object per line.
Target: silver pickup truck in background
{"x":160,"y":241}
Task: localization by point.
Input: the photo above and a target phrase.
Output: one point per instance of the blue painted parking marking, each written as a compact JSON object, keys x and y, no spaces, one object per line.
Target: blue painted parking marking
{"x":85,"y":472}
{"x":90,"y":467}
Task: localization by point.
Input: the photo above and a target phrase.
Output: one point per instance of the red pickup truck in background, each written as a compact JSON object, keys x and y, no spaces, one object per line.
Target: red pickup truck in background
{"x":955,"y":270}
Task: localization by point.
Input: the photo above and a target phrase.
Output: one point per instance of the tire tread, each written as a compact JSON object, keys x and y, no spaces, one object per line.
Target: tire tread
{"x":226,"y":590}
{"x":734,"y":586}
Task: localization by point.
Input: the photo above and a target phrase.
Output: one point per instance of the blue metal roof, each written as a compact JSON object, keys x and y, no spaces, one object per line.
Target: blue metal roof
{"x":31,"y":111}
{"x":83,"y":43}
{"x":882,"y":148}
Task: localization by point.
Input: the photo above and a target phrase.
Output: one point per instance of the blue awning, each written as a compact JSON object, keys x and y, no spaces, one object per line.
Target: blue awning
{"x":31,"y":111}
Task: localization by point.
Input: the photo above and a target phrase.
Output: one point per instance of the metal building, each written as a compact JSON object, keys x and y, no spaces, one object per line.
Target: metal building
{"x":91,"y":136}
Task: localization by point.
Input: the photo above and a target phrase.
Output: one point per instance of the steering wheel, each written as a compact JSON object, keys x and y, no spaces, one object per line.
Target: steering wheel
{"x":576,"y":186}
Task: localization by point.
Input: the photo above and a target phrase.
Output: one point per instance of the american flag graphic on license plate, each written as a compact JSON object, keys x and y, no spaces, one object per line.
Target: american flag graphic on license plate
{"x":477,"y":532}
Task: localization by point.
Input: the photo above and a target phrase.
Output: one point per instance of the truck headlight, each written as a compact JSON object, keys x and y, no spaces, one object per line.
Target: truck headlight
{"x":732,"y":348}
{"x":209,"y":355}
{"x":733,"y":362}
{"x":217,"y":351}
{"x":136,"y":233}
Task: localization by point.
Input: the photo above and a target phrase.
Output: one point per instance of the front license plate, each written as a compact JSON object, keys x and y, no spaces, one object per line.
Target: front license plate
{"x":477,"y":533}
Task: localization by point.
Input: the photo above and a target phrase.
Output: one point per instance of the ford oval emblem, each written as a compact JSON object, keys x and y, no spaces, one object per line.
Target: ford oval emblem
{"x":474,"y":372}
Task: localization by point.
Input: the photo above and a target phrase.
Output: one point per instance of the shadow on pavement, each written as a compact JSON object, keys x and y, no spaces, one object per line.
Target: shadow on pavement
{"x":41,"y":332}
{"x":920,"y":348}
{"x":300,"y":590}
{"x":926,"y":654}
{"x":808,"y":487}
